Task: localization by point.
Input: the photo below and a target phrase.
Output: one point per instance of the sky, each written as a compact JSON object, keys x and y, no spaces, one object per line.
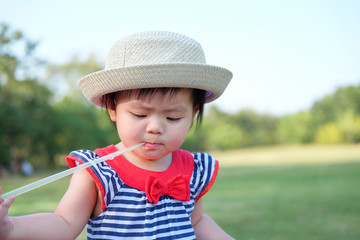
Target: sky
{"x":284,"y":55}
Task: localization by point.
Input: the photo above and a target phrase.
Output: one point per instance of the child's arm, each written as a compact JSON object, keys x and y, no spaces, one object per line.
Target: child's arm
{"x":66,"y":222}
{"x":204,"y":226}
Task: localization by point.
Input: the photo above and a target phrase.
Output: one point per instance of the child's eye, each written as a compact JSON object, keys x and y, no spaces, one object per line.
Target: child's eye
{"x":138,"y":115}
{"x":173,"y":119}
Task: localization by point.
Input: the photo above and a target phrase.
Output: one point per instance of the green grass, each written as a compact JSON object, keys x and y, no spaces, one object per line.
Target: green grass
{"x":43,"y":199}
{"x":287,"y":201}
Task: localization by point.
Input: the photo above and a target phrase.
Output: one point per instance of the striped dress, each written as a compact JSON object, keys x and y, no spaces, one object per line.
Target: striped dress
{"x":127,"y":212}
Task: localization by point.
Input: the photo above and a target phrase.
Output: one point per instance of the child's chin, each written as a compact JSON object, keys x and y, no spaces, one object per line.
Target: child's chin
{"x":153,"y":156}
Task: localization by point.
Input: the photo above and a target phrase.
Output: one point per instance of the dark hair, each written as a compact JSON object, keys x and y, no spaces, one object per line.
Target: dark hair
{"x":198,"y":98}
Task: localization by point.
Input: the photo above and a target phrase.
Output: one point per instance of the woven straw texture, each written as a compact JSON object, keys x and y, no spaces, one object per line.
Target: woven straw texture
{"x":155,"y":59}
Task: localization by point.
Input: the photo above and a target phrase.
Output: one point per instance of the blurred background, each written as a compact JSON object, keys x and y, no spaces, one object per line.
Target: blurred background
{"x":291,"y":114}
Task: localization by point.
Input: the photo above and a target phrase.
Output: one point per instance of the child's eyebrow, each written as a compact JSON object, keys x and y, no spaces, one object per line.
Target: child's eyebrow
{"x":178,"y":108}
{"x":143,"y":106}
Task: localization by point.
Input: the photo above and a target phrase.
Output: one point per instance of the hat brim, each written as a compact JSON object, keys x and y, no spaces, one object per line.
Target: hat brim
{"x":183,"y":75}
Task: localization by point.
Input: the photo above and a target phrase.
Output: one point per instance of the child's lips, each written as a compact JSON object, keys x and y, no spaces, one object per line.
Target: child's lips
{"x":151,"y":146}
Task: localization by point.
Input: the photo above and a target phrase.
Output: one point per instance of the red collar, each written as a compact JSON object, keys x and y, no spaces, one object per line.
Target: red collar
{"x":133,"y":176}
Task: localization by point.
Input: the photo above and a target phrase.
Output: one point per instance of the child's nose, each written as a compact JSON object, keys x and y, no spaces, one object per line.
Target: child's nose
{"x":155,"y":126}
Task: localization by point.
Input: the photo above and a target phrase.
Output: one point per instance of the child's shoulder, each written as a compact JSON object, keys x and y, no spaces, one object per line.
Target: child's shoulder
{"x":203,"y":156}
{"x":91,"y":154}
{"x":200,"y":160}
{"x":194,"y":156}
{"x":80,"y":156}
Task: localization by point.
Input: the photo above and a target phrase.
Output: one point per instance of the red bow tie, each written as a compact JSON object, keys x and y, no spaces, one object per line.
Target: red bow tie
{"x":177,"y":187}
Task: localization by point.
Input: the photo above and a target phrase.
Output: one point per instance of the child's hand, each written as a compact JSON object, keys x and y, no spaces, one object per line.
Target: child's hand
{"x":6,"y":224}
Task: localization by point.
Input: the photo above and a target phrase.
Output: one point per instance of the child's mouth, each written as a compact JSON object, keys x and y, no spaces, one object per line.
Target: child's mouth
{"x":151,"y":146}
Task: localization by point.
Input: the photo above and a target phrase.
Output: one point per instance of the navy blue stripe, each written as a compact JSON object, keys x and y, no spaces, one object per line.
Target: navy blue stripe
{"x":145,"y":225}
{"x":125,"y":218}
{"x":209,"y":161}
{"x":85,"y":160}
{"x":141,"y":217}
{"x":146,"y":218}
{"x":129,"y":202}
{"x":178,"y":236}
{"x":146,"y":234}
{"x":197,"y":177}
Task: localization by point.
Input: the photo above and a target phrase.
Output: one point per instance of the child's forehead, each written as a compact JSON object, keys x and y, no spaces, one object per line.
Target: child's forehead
{"x":146,"y":94}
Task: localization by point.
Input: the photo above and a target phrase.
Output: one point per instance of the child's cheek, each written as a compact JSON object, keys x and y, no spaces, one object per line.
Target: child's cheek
{"x":178,"y":140}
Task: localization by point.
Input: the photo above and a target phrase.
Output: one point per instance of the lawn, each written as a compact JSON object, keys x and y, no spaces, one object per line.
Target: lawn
{"x":288,"y":202}
{"x":299,"y":199}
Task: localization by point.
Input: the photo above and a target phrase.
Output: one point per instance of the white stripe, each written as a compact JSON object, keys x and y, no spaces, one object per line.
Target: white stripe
{"x":167,"y":207}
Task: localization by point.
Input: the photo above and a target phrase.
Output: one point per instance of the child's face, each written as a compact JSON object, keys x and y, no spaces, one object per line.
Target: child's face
{"x":161,"y":121}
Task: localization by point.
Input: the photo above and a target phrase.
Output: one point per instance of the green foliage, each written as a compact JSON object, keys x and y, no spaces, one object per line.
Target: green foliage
{"x":62,"y":79}
{"x":79,"y":126}
{"x":24,"y":103}
{"x":349,"y":126}
{"x":333,"y":119}
{"x":328,"y":134}
{"x":44,"y":117}
{"x":258,"y":129}
{"x":225,"y":136}
{"x":332,"y":107}
{"x":195,"y":140}
{"x":221,"y":131}
{"x":295,"y":129}
{"x":36,"y":123}
{"x":342,"y":109}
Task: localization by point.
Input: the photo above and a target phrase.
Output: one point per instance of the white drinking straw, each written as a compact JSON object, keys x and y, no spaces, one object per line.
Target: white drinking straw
{"x":57,"y":176}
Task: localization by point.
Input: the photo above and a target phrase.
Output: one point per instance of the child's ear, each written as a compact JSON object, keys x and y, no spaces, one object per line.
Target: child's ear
{"x":112,"y":114}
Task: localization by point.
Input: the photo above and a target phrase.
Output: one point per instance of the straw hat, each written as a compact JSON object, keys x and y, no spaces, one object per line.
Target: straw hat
{"x":155,"y":59}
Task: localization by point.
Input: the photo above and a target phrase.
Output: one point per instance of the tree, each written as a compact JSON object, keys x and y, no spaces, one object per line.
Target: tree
{"x":342,"y":109}
{"x":62,"y":79}
{"x":348,"y":124}
{"x":331,"y":107}
{"x":257,"y":129}
{"x":35,"y":123}
{"x":82,"y":125}
{"x":295,"y":129}
{"x":24,"y":103}
{"x":328,"y":134}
